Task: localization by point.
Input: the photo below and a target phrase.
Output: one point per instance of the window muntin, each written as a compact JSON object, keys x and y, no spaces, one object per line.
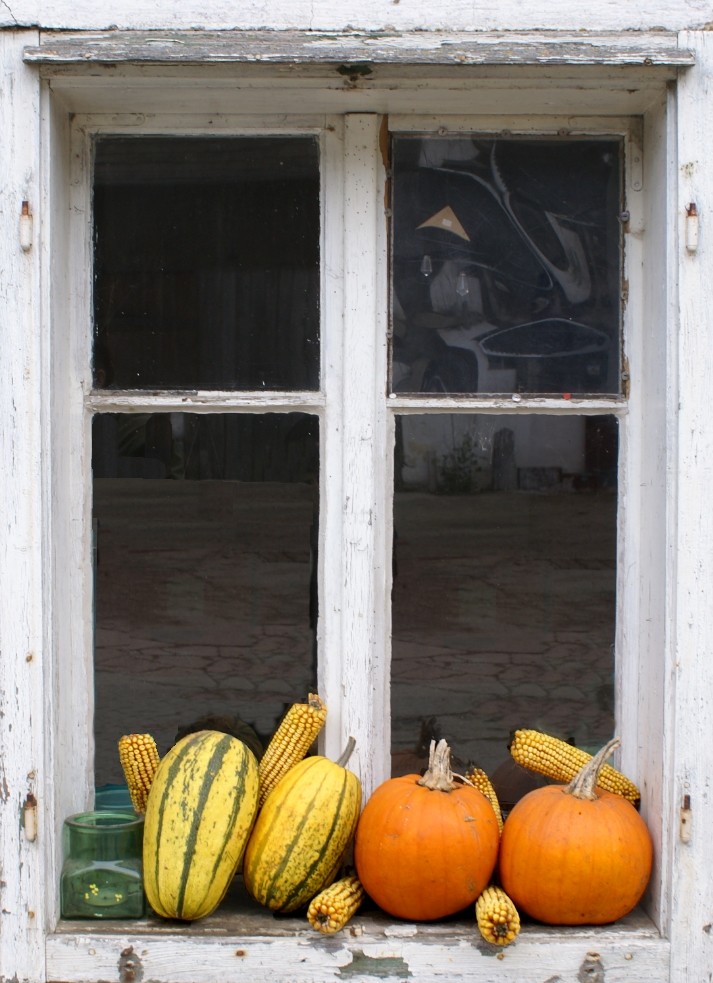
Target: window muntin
{"x":505,"y":532}
{"x":207,"y":255}
{"x":506,"y":264}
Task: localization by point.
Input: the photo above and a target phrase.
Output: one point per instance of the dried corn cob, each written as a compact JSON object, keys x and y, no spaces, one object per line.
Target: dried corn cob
{"x":139,"y":759}
{"x":332,"y":908}
{"x":556,"y":759}
{"x":291,"y":741}
{"x":477,"y":777}
{"x":497,"y":916}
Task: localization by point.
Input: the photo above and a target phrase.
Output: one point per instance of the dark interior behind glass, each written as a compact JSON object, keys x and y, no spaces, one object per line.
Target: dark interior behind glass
{"x":504,"y":590}
{"x":207,"y":263}
{"x":506,"y":259}
{"x":205,"y":570}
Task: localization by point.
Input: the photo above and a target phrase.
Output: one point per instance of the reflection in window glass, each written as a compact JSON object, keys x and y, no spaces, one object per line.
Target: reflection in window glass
{"x":206,"y":538}
{"x":506,"y":265}
{"x":504,"y":587}
{"x":207,"y":263}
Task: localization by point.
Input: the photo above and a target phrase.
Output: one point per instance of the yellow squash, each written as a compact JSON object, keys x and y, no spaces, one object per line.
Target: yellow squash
{"x":302,"y":832}
{"x":200,"y":811}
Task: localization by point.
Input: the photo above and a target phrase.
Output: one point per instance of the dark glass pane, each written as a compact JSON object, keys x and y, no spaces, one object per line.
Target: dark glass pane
{"x":504,"y":591}
{"x":506,"y":265}
{"x":206,"y":537}
{"x":207,"y":263}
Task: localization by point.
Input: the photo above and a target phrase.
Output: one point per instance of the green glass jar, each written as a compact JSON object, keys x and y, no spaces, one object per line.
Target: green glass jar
{"x":101,"y":874}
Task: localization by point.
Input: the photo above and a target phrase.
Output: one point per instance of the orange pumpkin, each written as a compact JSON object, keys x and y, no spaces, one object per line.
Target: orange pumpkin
{"x":575,"y":854}
{"x":426,"y":847}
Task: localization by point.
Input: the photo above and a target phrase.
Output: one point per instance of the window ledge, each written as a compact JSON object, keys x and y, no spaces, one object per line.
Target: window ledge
{"x":361,"y":50}
{"x":249,"y":943}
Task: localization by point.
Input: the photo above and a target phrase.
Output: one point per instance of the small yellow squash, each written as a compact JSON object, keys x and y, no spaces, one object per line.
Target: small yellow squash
{"x":302,"y":832}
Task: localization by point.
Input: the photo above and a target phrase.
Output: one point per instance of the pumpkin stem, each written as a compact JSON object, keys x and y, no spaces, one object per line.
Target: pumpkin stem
{"x":347,"y":752}
{"x":439,"y":776}
{"x":584,"y":783}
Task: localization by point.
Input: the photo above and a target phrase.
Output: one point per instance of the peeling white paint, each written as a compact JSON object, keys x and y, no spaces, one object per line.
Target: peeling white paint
{"x":369,"y":15}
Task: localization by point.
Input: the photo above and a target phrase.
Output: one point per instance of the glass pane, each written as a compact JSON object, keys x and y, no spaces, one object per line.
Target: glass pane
{"x":504,"y":588}
{"x":506,"y":265}
{"x":207,"y":263}
{"x":206,"y":538}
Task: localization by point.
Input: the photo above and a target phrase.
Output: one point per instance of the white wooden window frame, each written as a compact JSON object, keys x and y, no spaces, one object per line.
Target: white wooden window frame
{"x":356,"y":418}
{"x":658,"y":674}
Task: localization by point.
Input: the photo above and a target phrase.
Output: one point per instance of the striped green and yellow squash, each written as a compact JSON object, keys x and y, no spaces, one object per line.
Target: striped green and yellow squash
{"x":301,"y":833}
{"x":200,"y":811}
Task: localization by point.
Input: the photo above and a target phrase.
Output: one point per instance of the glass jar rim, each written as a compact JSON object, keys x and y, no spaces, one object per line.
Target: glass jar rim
{"x":104,"y":819}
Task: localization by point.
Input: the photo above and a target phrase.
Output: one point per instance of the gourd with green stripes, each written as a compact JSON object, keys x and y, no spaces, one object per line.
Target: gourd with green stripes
{"x":302,"y":832}
{"x":199,"y":814}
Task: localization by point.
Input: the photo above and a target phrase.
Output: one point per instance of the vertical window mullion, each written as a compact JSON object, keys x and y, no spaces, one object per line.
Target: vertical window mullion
{"x":362,"y":648}
{"x":329,"y":668}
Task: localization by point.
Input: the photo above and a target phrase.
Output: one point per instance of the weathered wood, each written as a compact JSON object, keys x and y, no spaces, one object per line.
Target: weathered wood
{"x":456,"y":15}
{"x":149,"y":99}
{"x":644,"y":446}
{"x":115,"y":401}
{"x":363,"y":592}
{"x":354,"y":54}
{"x":23,"y":542}
{"x":366,"y":950}
{"x":665,"y":638}
{"x":68,"y":597}
{"x":329,"y":627}
{"x":504,"y":405}
{"x":691,"y":531}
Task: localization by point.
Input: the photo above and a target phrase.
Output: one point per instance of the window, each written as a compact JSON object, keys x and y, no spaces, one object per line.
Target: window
{"x":506,"y":259}
{"x":423,"y":497}
{"x":207,"y":257}
{"x":505,"y":278}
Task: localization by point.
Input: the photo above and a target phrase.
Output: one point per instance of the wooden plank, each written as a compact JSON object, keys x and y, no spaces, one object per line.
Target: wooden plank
{"x":68,"y":598}
{"x":691,"y":656}
{"x":641,"y":628}
{"x":363,"y":645}
{"x":364,"y":953}
{"x":128,"y":401}
{"x":331,"y":658}
{"x":151,"y":98}
{"x":504,"y":404}
{"x":23,"y":713}
{"x":369,"y":14}
{"x":355,"y":53}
